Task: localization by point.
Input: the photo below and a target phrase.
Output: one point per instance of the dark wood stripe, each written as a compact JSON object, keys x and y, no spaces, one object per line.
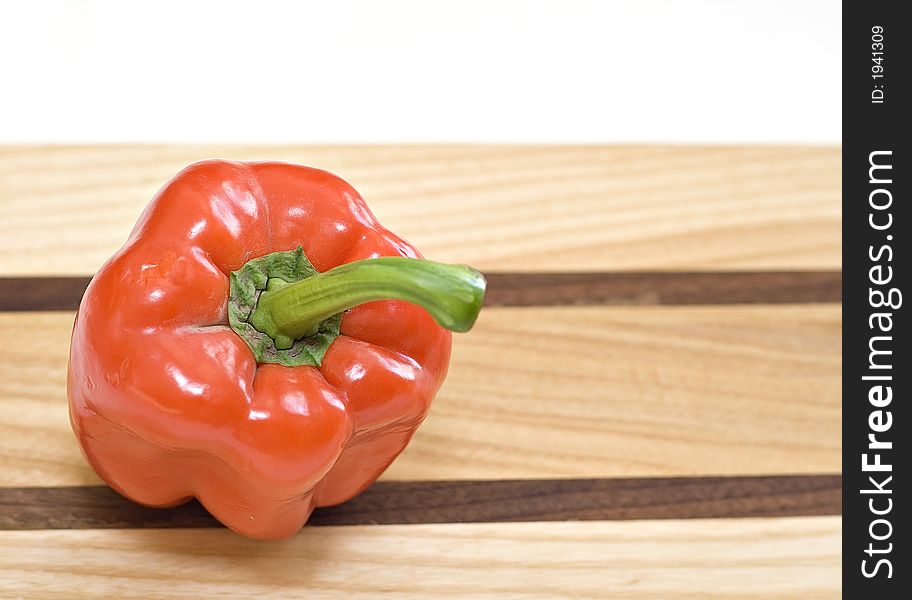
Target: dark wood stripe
{"x":395,"y":502}
{"x":41,"y":293}
{"x":752,"y":287}
{"x":541,"y":289}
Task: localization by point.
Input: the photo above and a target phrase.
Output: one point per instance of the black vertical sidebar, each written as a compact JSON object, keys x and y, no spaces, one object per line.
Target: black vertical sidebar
{"x":877,"y":168}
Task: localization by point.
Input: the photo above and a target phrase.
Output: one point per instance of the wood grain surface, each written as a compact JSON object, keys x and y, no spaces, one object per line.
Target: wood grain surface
{"x":737,"y":559}
{"x":419,"y":502}
{"x":608,"y":395}
{"x":499,"y":208}
{"x":659,"y":357}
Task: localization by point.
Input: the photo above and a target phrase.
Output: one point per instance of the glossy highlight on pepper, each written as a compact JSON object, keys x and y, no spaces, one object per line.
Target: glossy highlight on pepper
{"x":169,"y":402}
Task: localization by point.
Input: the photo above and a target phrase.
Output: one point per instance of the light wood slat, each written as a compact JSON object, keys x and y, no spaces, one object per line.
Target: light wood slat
{"x":565,"y":392}
{"x":740,"y":559}
{"x":529,"y":208}
{"x":544,"y":392}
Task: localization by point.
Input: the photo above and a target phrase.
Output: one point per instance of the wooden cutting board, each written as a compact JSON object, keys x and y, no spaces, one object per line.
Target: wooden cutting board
{"x":649,"y":406}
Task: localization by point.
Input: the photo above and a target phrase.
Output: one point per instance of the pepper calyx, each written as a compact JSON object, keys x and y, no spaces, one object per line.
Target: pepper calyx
{"x":272,"y":272}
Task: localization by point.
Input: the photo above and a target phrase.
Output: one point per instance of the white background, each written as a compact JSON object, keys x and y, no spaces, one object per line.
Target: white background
{"x":409,"y":71}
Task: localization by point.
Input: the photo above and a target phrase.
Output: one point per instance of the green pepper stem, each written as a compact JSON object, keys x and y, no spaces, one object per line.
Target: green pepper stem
{"x":452,"y":294}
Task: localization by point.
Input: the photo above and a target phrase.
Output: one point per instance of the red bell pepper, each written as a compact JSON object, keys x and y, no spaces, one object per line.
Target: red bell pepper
{"x":260,"y":343}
